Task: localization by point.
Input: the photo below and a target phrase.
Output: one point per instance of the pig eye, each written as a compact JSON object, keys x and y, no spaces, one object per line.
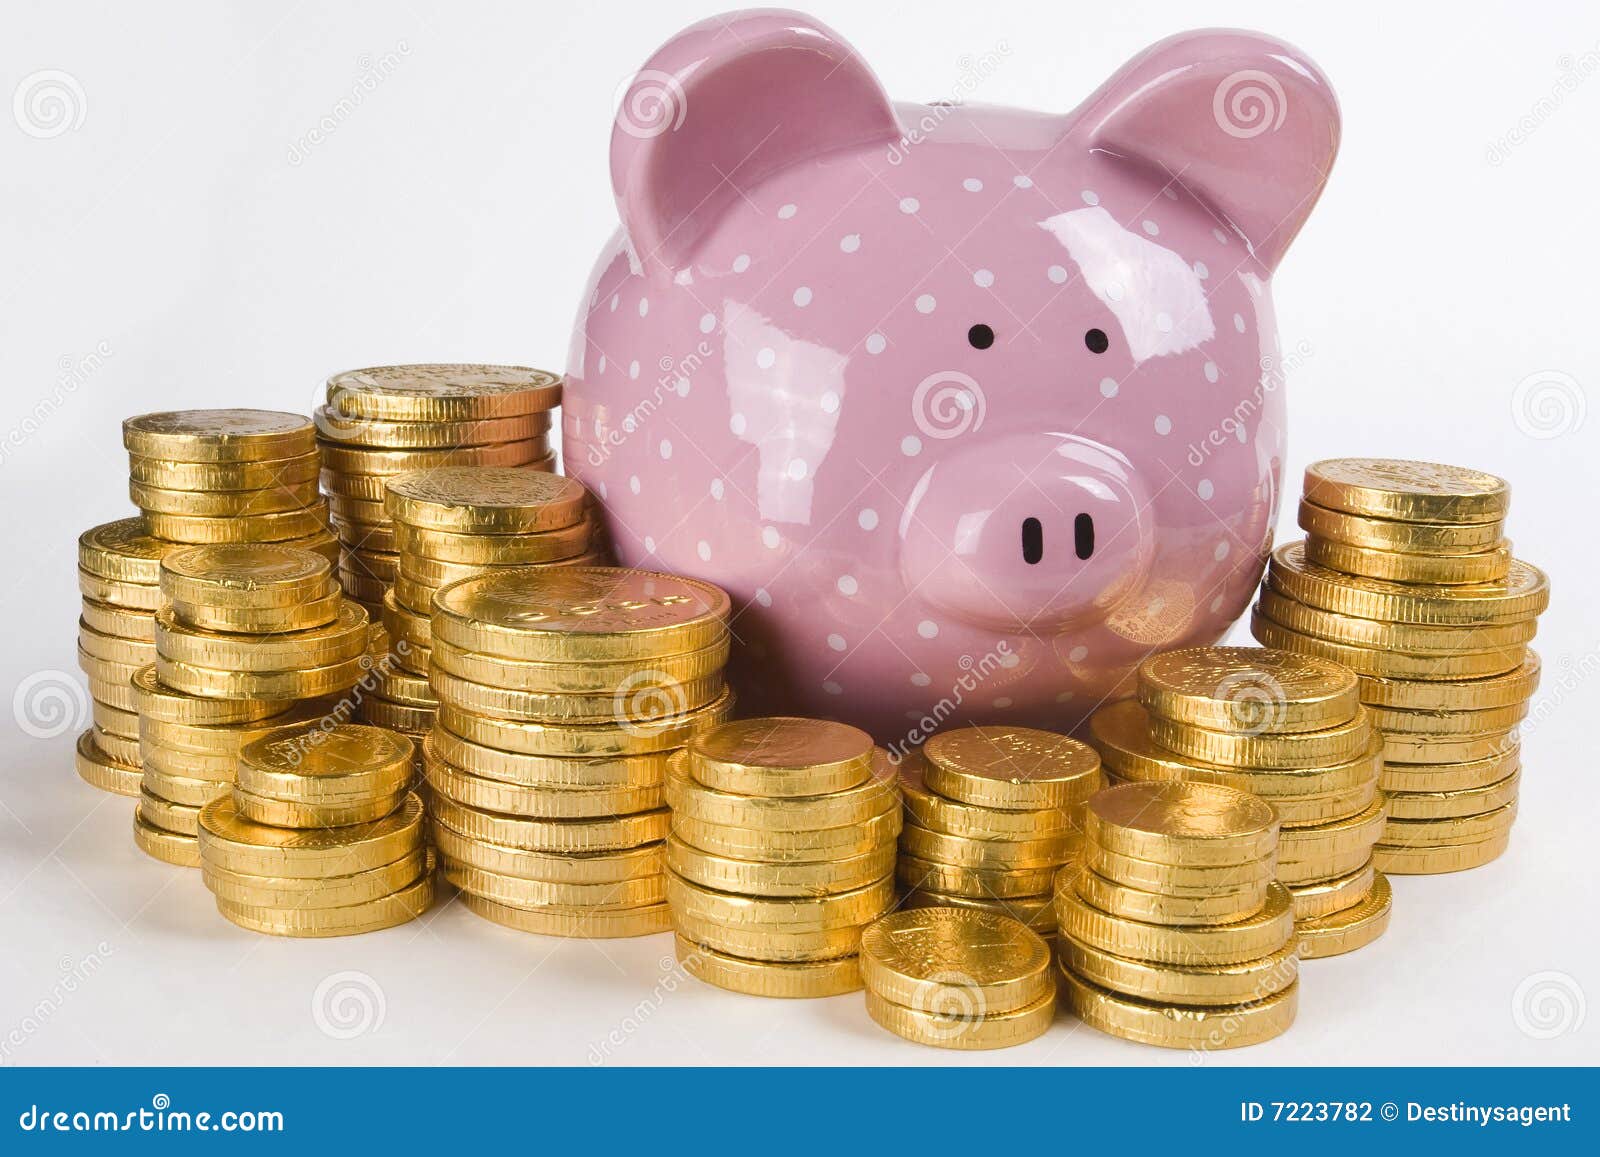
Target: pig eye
{"x":980,"y":336}
{"x":1097,"y":341}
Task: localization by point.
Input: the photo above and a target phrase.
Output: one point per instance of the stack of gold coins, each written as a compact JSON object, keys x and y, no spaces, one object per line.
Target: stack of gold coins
{"x":1285,"y":727}
{"x":1173,"y":930}
{"x":249,"y":636}
{"x":782,"y":850}
{"x":562,"y":693}
{"x":321,"y":834}
{"x":227,"y":476}
{"x":458,"y":522}
{"x":991,"y":814}
{"x":390,"y":420}
{"x":119,"y":565}
{"x":395,"y":698}
{"x":958,"y":978}
{"x":1406,"y":577}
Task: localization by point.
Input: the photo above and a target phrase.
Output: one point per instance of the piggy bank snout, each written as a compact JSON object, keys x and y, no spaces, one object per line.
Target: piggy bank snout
{"x":1030,"y":531}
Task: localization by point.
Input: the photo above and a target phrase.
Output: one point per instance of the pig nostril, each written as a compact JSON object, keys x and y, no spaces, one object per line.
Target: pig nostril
{"x":1083,"y":535}
{"x":1032,"y":540}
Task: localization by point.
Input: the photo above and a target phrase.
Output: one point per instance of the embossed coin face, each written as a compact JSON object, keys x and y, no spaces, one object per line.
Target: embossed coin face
{"x":122,"y":550}
{"x":784,"y":742}
{"x":1011,"y":754}
{"x":1407,"y":490}
{"x":217,"y":435}
{"x":1183,"y":811}
{"x":313,"y":750}
{"x":246,"y":565}
{"x":1234,"y":673}
{"x":587,"y":612}
{"x":936,"y":944}
{"x":485,"y":499}
{"x":402,"y":393}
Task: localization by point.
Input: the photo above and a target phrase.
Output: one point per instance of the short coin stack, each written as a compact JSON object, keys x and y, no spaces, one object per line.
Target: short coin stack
{"x":249,"y":636}
{"x":390,"y":420}
{"x":218,"y":476}
{"x":782,"y":850}
{"x":320,"y":836}
{"x":568,"y":689}
{"x":1173,"y":930}
{"x":119,"y":565}
{"x":1406,"y":578}
{"x":1285,"y":727}
{"x":991,"y":814}
{"x":459,"y":522}
{"x":958,"y":978}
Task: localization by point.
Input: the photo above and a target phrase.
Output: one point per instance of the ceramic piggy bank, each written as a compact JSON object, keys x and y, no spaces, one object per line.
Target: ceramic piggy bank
{"x":968,"y":408}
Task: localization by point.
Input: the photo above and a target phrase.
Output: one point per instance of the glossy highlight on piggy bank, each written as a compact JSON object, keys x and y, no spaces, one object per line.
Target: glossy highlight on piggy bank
{"x":968,"y":408}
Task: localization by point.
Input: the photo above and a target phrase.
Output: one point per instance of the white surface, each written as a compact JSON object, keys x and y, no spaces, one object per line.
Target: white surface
{"x":454,"y":213}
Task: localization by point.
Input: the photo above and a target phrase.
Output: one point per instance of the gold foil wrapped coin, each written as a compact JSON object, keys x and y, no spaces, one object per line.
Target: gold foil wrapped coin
{"x":492,"y":549}
{"x":1465,"y":695}
{"x":779,"y":913}
{"x":373,"y":432}
{"x":595,"y":834}
{"x":211,"y":477}
{"x":1439,"y":858}
{"x":979,"y":883}
{"x":1482,"y":566}
{"x":1248,"y":690}
{"x":1259,"y":935}
{"x":759,"y":878}
{"x":996,"y":1031}
{"x":485,"y":500}
{"x":1178,"y":880}
{"x":348,"y":920}
{"x":1348,"y":929}
{"x":554,"y":867}
{"x":767,"y":978}
{"x":1417,"y":638}
{"x":955,"y":961}
{"x":330,"y":892}
{"x":1015,"y":768}
{"x":218,"y":435}
{"x":1196,"y":1027}
{"x":235,"y":844}
{"x":171,"y":847}
{"x":1523,"y":593}
{"x":1205,"y":985}
{"x":1325,"y":897}
{"x":1445,"y":538}
{"x":254,"y":575}
{"x":1389,"y":663}
{"x":581,"y":614}
{"x":586,"y":923}
{"x":1036,"y":912}
{"x":98,"y":769}
{"x":584,"y":740}
{"x":537,"y":802}
{"x":442,"y":392}
{"x":1182,"y":823}
{"x":1443,"y":805}
{"x":1408,"y":491}
{"x":1237,"y":900}
{"x":781,"y":757}
{"x":854,"y":805}
{"x":520,"y":892}
{"x":938,"y":814}
{"x":123,"y":551}
{"x":963,"y":851}
{"x":801,"y":847}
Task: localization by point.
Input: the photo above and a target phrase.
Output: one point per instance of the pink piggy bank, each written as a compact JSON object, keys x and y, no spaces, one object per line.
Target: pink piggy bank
{"x":969,"y":409}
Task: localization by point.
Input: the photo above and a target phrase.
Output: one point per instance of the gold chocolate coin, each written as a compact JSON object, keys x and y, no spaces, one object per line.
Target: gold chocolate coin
{"x":956,"y":962}
{"x":768,"y":978}
{"x":1182,"y":823}
{"x":1406,"y":490}
{"x":1348,"y":929}
{"x":1015,"y":768}
{"x":1249,"y":690}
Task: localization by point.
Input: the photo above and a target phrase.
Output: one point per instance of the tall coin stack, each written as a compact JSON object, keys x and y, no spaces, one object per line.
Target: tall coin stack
{"x":249,"y":636}
{"x":1285,"y":727}
{"x":390,"y":420}
{"x":991,"y":814}
{"x":227,"y":476}
{"x":119,"y":566}
{"x":1173,"y":930}
{"x":1406,"y":577}
{"x":958,"y":978}
{"x":321,"y":834}
{"x":566,"y":690}
{"x":782,"y":850}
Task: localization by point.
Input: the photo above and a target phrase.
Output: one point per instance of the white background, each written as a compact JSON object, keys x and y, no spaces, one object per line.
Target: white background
{"x":169,"y":240}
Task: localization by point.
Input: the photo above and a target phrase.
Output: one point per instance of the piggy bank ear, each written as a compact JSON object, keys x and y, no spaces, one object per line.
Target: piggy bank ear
{"x":1244,"y":121}
{"x":724,"y":104}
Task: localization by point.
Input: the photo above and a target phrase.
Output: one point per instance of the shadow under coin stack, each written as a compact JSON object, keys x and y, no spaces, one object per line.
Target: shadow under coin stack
{"x":1173,"y":930}
{"x":389,"y":420}
{"x":569,"y":689}
{"x":119,"y":567}
{"x":228,"y":476}
{"x":249,"y":637}
{"x":1285,"y":727}
{"x":321,"y":835}
{"x":991,"y":814}
{"x":958,"y":978}
{"x":1406,"y":578}
{"x":782,"y":850}
{"x":460,"y":522}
